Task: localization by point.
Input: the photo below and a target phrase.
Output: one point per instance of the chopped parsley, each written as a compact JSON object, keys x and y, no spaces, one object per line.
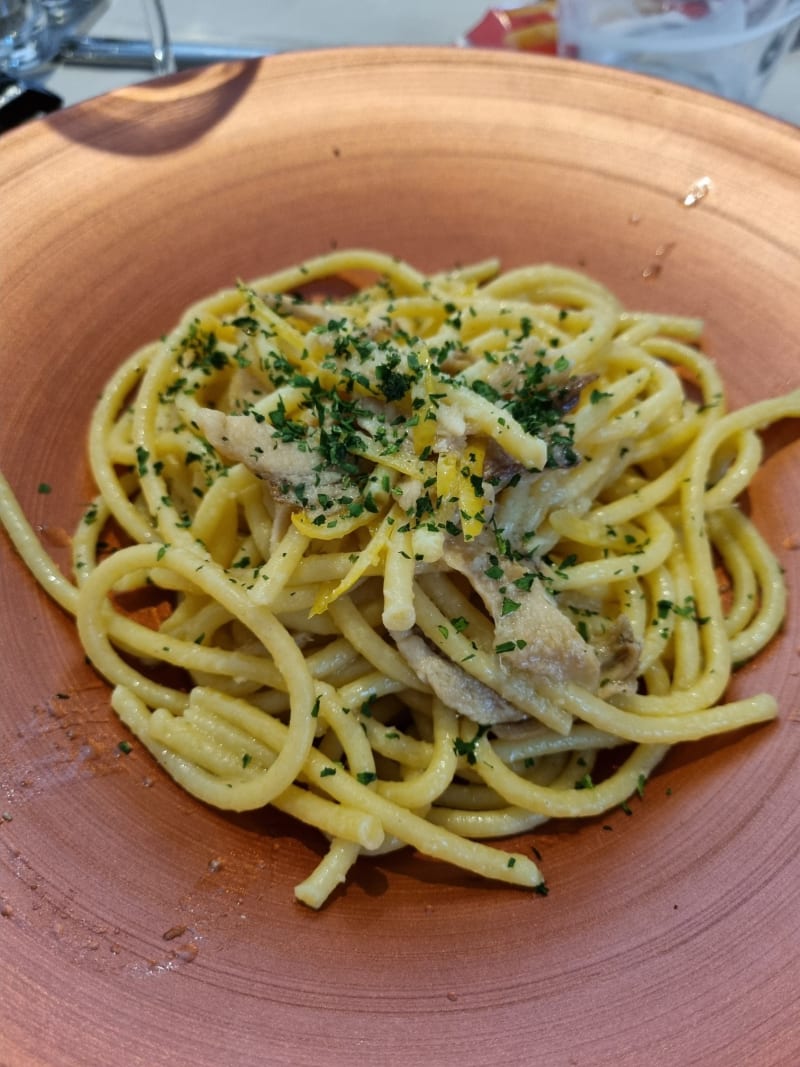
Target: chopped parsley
{"x":467,"y":748}
{"x":510,"y":646}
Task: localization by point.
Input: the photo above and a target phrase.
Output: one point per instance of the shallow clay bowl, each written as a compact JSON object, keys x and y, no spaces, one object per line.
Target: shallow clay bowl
{"x":138,"y":926}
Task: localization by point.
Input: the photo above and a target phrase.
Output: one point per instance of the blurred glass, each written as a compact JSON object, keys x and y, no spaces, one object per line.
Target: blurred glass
{"x":33,"y":33}
{"x":61,"y":11}
{"x":728,"y":47}
{"x":25,"y":38}
{"x":158,"y":30}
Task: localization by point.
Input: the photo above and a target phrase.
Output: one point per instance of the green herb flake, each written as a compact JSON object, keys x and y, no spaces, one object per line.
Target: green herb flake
{"x":365,"y":777}
{"x":142,"y":456}
{"x":467,"y":748}
{"x":505,"y":646}
{"x":663,"y":607}
{"x":125,"y":747}
{"x":44,"y":488}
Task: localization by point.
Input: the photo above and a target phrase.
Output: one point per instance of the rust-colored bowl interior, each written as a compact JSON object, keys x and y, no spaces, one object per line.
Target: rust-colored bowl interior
{"x":138,"y":926}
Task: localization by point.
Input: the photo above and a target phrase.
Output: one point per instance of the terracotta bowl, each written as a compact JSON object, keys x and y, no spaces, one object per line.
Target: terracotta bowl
{"x":138,"y":926}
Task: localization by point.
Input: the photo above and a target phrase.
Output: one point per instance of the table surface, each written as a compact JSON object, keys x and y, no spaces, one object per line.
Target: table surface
{"x":284,"y":25}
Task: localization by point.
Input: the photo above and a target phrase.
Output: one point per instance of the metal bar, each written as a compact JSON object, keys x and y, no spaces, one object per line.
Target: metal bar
{"x":138,"y":55}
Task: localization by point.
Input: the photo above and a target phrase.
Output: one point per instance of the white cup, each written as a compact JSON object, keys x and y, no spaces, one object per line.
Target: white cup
{"x":727,"y":47}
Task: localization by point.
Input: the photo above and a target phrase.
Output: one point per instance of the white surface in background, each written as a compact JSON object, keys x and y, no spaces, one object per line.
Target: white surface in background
{"x":284,"y":25}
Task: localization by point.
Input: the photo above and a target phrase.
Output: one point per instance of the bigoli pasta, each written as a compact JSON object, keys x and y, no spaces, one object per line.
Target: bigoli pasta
{"x":432,"y":546}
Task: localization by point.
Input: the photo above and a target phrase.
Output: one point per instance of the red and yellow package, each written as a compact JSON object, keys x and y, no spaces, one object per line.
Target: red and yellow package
{"x":530,"y":28}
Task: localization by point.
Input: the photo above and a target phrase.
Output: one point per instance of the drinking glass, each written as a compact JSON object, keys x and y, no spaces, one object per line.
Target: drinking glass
{"x":25,"y":38}
{"x":61,"y":11}
{"x":32,"y":33}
